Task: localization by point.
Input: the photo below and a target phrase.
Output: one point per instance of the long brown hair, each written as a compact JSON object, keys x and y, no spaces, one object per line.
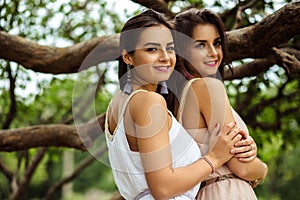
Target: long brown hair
{"x":185,"y":22}
{"x":130,"y":35}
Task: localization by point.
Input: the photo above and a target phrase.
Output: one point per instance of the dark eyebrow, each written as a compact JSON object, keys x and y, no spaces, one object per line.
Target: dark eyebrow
{"x":195,"y":41}
{"x":170,"y":43}
{"x":219,"y":38}
{"x":157,"y":44}
{"x":152,"y":44}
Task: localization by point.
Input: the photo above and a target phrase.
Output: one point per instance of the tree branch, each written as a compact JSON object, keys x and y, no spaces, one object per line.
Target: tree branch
{"x":13,"y":102}
{"x":69,"y":178}
{"x":289,"y":59}
{"x":55,"y":60}
{"x":246,"y":42}
{"x":81,"y":103}
{"x":158,"y":5}
{"x":28,"y":174}
{"x":240,"y":9}
{"x":8,"y":174}
{"x":243,"y":43}
{"x":250,"y":113}
{"x":249,"y":69}
{"x":58,"y":135}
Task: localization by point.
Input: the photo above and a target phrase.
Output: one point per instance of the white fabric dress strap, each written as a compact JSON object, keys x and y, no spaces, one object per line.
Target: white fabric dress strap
{"x":127,"y":101}
{"x":108,"y":134}
{"x":106,"y":130}
{"x":183,"y":98}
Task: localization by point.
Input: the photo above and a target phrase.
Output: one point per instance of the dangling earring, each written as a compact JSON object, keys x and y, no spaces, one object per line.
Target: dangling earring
{"x":164,"y":88}
{"x":127,"y":87}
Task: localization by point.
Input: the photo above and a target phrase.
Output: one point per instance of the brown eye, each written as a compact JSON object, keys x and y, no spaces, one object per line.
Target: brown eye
{"x":170,"y":49}
{"x":200,"y":45}
{"x":151,"y":49}
{"x":218,"y":43}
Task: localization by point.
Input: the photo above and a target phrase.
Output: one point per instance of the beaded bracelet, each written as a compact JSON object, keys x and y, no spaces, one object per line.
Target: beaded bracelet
{"x":213,"y":169}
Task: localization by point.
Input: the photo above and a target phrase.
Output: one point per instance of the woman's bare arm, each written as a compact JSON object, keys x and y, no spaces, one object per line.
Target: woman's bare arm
{"x":152,"y":134}
{"x":250,"y":171}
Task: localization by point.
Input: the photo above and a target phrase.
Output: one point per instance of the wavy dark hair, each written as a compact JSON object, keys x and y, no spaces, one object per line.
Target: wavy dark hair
{"x":185,"y":22}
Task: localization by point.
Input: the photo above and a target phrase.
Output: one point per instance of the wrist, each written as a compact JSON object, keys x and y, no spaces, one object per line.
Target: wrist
{"x":210,"y":162}
{"x":262,"y":179}
{"x":217,"y":162}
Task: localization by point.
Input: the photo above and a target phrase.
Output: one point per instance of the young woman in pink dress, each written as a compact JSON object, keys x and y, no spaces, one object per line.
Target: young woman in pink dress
{"x":202,"y":48}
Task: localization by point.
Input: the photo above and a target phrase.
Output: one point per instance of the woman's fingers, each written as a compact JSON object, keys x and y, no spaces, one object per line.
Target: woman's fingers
{"x":234,"y":134}
{"x":245,"y":156}
{"x":245,"y":150}
{"x":226,"y":129}
{"x":216,"y":129}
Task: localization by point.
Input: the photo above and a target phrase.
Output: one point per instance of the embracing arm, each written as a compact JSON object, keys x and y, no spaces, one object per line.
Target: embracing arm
{"x":254,"y":171}
{"x":251,"y":170}
{"x":152,"y":134}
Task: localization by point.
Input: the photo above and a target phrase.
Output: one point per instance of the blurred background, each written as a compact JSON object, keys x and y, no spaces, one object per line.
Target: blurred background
{"x":267,"y":100}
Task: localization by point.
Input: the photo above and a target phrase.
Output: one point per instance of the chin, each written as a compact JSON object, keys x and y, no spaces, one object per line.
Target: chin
{"x":164,"y":78}
{"x":211,"y":72}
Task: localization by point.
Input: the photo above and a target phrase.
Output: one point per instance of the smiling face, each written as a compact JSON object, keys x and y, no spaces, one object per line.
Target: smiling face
{"x":206,"y":50}
{"x":154,"y":57}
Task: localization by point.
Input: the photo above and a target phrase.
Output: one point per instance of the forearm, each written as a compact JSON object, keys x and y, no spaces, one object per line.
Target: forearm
{"x":250,"y":171}
{"x":169,"y":182}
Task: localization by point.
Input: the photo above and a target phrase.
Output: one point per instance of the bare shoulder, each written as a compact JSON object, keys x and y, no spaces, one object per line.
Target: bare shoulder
{"x":213,"y":83}
{"x":208,"y":81}
{"x":199,"y":86}
{"x":145,"y":102}
{"x":147,"y":98}
{"x":208,"y":84}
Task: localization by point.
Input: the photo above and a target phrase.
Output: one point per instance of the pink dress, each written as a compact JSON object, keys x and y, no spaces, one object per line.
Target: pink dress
{"x":233,"y":188}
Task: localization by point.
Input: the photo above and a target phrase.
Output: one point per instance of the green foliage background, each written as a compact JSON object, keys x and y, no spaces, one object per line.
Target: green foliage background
{"x":47,"y":99}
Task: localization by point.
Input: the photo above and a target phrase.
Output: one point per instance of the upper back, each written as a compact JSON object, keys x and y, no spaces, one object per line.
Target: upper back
{"x":129,"y":166}
{"x":139,"y":109}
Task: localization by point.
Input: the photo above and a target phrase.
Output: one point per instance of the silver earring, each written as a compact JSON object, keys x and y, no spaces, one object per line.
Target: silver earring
{"x":164,"y":88}
{"x":127,"y":88}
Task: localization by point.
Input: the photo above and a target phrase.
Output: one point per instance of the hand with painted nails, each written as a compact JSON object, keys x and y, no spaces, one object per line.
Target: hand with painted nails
{"x":245,"y":150}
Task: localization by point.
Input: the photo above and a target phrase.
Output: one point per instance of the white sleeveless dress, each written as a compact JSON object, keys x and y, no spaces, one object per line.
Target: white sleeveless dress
{"x":233,"y":188}
{"x":127,"y":166}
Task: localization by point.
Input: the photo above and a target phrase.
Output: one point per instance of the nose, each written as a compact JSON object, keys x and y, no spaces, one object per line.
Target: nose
{"x":212,"y":51}
{"x":164,"y":56}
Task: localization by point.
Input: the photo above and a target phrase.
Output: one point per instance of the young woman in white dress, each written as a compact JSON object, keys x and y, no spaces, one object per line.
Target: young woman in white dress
{"x":151,"y":154}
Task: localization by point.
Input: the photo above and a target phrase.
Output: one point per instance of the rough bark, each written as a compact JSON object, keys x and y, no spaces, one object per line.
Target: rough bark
{"x":256,"y":41}
{"x":250,"y":69}
{"x":55,"y":60}
{"x":58,"y":135}
{"x":243,"y":43}
{"x":287,"y":58}
{"x":158,"y":5}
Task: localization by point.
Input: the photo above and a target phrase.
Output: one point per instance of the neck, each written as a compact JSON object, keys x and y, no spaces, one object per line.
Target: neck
{"x":149,"y":87}
{"x":195,"y":74}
